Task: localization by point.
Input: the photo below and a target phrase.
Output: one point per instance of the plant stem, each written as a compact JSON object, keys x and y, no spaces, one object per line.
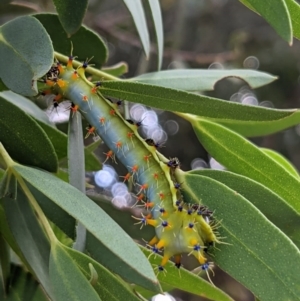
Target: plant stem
{"x":91,"y":70}
{"x":10,"y":164}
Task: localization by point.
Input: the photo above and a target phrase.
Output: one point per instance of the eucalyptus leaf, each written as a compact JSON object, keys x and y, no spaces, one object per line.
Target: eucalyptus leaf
{"x":116,"y":243}
{"x":71,"y":13}
{"x":282,"y":161}
{"x":253,"y":245}
{"x":23,"y":58}
{"x":241,"y":156}
{"x":27,"y":231}
{"x":76,"y":169}
{"x":137,"y":12}
{"x":294,"y":10}
{"x":264,"y":199}
{"x":4,"y":266}
{"x":67,"y":280}
{"x":23,"y":286}
{"x":202,"y":79}
{"x":24,"y":139}
{"x":107,"y":285}
{"x":96,"y":49}
{"x":26,"y":105}
{"x":117,"y":69}
{"x":276,"y":14}
{"x":158,"y":25}
{"x":247,"y":120}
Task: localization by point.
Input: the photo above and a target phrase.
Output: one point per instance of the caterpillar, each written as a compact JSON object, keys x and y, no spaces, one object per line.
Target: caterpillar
{"x":179,"y":227}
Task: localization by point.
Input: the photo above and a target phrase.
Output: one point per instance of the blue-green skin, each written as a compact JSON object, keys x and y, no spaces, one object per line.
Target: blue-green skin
{"x":177,"y":237}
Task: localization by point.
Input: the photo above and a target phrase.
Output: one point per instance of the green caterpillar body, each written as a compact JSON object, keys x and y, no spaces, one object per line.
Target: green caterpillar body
{"x":180,"y":228}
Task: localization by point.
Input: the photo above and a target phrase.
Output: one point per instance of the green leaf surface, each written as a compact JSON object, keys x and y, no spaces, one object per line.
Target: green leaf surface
{"x":241,"y":156}
{"x":256,"y":253}
{"x":202,"y":79}
{"x":54,"y":213}
{"x":108,"y":286}
{"x":123,"y":217}
{"x":86,"y":43}
{"x":23,"y":58}
{"x":117,"y":69}
{"x":137,"y":12}
{"x":67,"y":280}
{"x":71,"y":13}
{"x":158,"y":25}
{"x":270,"y":204}
{"x":2,"y":86}
{"x":8,"y":185}
{"x":4,"y":265}
{"x":280,"y":159}
{"x":247,"y":120}
{"x":76,"y":169}
{"x":116,"y":243}
{"x":29,"y":236}
{"x":76,"y":154}
{"x":23,"y":287}
{"x":24,"y":139}
{"x":57,"y":138}
{"x":276,"y":14}
{"x":26,"y":105}
{"x":254,"y":128}
{"x":187,"y":282}
{"x":294,"y":10}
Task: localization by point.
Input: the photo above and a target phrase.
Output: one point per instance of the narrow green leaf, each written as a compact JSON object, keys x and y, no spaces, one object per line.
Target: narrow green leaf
{"x":23,"y":286}
{"x":54,"y":213}
{"x":8,"y":236}
{"x":254,"y":128}
{"x":254,"y":252}
{"x":247,"y":120}
{"x":71,"y":13}
{"x":280,"y":159}
{"x":24,"y":139}
{"x":8,"y":186}
{"x":241,"y":156}
{"x":76,"y":153}
{"x":294,"y":10}
{"x":276,"y":14}
{"x":76,"y":169}
{"x":129,"y":273}
{"x":57,"y":138}
{"x":116,"y":243}
{"x":158,"y":25}
{"x":96,"y":48}
{"x":23,"y":58}
{"x":26,"y":105}
{"x":29,"y":236}
{"x":117,"y":69}
{"x":123,"y":217}
{"x":67,"y":280}
{"x":188,"y":281}
{"x":108,"y":286}
{"x":137,"y":12}
{"x":202,"y":79}
{"x":4,"y":265}
{"x":2,"y":86}
{"x":270,"y":204}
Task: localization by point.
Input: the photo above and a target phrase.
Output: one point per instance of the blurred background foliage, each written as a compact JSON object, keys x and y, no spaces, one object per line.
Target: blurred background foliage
{"x":199,"y":34}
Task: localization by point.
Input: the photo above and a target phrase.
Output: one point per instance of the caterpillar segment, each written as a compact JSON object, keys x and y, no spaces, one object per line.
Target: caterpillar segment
{"x":179,"y":227}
